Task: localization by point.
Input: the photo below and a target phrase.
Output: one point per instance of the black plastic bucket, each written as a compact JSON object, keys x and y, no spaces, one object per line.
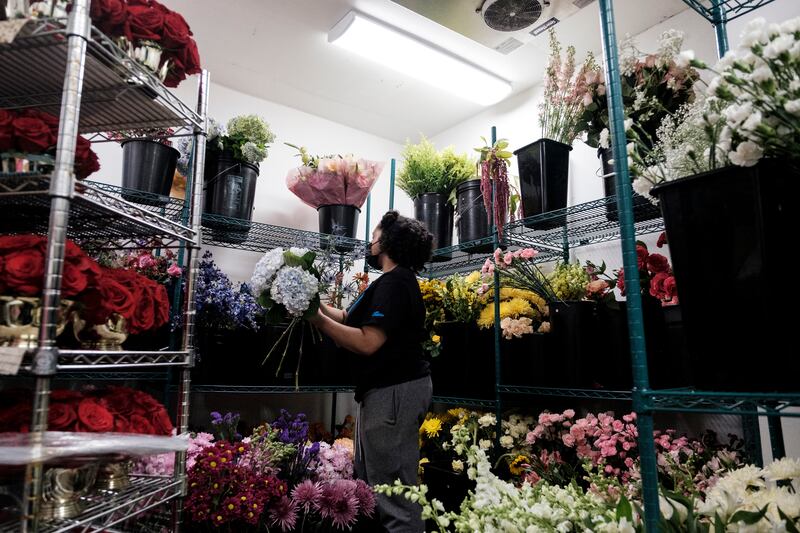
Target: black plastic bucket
{"x":230,"y":191}
{"x":337,"y":220}
{"x":643,"y":209}
{"x":148,"y":167}
{"x":472,"y":221}
{"x":543,"y":178}
{"x":436,"y":214}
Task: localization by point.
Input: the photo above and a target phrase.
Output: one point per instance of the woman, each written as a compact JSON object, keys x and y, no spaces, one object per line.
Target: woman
{"x":384,"y":329}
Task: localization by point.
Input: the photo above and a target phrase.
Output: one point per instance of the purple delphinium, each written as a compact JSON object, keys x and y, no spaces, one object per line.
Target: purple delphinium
{"x":292,"y":430}
{"x":220,"y":305}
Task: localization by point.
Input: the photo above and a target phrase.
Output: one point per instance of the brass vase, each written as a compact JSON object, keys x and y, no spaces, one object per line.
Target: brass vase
{"x":62,"y":489}
{"x":114,"y":476}
{"x":108,"y":336}
{"x":21,"y":318}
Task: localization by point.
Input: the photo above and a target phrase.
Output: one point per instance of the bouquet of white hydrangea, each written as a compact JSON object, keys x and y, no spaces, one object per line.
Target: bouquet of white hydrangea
{"x":287,"y":284}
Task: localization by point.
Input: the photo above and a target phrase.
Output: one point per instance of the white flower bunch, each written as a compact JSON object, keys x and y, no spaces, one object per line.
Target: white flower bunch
{"x":294,"y":288}
{"x":265,"y":270}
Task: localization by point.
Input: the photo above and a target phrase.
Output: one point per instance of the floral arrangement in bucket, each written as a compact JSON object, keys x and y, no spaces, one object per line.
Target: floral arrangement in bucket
{"x":287,"y":285}
{"x":247,"y":137}
{"x":426,"y":170}
{"x":332,"y":179}
{"x":566,"y":94}
{"x":750,"y":111}
{"x":33,"y":132}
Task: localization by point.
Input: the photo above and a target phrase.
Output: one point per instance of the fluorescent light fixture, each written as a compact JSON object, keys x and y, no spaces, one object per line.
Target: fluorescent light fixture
{"x":402,"y":52}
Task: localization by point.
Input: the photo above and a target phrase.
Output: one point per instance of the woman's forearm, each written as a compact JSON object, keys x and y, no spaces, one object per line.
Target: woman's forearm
{"x":362,"y":341}
{"x":337,"y":315}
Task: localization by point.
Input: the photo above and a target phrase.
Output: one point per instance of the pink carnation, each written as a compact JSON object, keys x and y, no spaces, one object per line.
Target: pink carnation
{"x":528,"y":253}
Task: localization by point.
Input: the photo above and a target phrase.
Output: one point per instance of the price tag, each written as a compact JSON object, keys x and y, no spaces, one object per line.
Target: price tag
{"x":10,"y":360}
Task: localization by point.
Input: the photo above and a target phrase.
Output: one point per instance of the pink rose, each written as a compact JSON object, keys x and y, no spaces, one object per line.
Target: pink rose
{"x":569,"y":413}
{"x":528,"y":253}
{"x":657,"y":285}
{"x":597,"y":286}
{"x":146,"y":261}
{"x":174,"y":270}
{"x":629,"y":462}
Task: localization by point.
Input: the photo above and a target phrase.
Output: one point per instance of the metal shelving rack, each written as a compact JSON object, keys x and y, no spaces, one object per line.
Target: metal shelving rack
{"x":101,"y":90}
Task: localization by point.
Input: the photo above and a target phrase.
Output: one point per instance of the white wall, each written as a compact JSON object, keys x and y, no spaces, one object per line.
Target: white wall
{"x":274,"y":203}
{"x":516,"y":119}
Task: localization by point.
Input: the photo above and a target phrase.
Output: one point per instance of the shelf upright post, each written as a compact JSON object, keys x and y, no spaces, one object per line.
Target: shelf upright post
{"x":391,"y":184}
{"x":62,"y":185}
{"x":641,"y":385}
{"x":192,"y":261}
{"x":497,"y":333}
{"x":720,"y":29}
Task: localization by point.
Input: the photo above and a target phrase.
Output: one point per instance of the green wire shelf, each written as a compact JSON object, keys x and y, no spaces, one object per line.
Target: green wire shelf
{"x":270,"y":389}
{"x":730,"y":9}
{"x":728,"y":403}
{"x":474,"y":402}
{"x":566,"y":393}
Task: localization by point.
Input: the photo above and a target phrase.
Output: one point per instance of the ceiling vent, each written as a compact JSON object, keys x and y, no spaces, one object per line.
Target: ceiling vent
{"x":502,"y":25}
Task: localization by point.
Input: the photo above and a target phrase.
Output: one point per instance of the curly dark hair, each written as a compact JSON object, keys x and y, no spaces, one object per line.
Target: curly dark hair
{"x":405,"y":240}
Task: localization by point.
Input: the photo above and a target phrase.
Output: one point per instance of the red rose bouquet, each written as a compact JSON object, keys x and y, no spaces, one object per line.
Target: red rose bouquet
{"x":115,"y":409}
{"x":33,"y":132}
{"x":655,"y":275}
{"x":152,"y":34}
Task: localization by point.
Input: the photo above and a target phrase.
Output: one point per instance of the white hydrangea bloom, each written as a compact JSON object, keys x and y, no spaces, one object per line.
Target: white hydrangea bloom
{"x":265,"y":270}
{"x":294,"y":288}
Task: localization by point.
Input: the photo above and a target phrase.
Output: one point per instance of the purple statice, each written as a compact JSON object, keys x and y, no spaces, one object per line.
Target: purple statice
{"x":221,"y":305}
{"x":225,"y":426}
{"x":292,"y":430}
{"x":306,"y":495}
{"x":283,"y":514}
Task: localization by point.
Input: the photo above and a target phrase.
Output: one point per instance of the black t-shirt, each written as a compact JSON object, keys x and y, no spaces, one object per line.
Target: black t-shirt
{"x":393,"y":303}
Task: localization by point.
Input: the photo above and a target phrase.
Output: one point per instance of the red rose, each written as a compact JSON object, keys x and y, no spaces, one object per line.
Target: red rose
{"x":86,"y":161}
{"x":176,"y":31}
{"x":61,"y":416}
{"x":24,"y":271}
{"x":146,"y":22}
{"x":621,"y":281}
{"x":73,"y":281}
{"x":192,"y":63}
{"x":65,"y":395}
{"x":12,"y":243}
{"x":657,"y":263}
{"x":94,"y":417}
{"x":106,"y":297}
{"x":161,"y":422}
{"x":121,"y":426}
{"x":144,"y":315}
{"x":147,"y":403}
{"x":139,"y":424}
{"x":108,"y":15}
{"x":662,"y":239}
{"x":119,"y":404}
{"x":15,"y":417}
{"x":6,"y":129}
{"x":33,"y":135}
{"x":2,"y":277}
{"x":161,"y":305}
{"x":657,"y":285}
{"x":47,"y":118}
{"x":641,"y":256}
{"x":670,"y":288}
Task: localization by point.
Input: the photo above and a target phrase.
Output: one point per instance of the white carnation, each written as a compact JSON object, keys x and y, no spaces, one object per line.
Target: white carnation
{"x":294,"y":288}
{"x":762,"y":73}
{"x":736,"y":113}
{"x":487,"y":420}
{"x":684,"y":58}
{"x":506,"y":441}
{"x":792,"y":106}
{"x":752,"y":121}
{"x":747,"y":154}
{"x":786,"y":468}
{"x":265,"y":270}
{"x":778,"y":46}
{"x":604,"y":139}
{"x":299,"y":252}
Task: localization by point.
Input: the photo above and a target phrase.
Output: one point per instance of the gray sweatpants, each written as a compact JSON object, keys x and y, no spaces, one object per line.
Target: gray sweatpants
{"x":387,"y":447}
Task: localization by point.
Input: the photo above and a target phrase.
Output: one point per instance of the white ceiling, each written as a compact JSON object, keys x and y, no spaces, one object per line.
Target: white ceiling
{"x":278,"y":50}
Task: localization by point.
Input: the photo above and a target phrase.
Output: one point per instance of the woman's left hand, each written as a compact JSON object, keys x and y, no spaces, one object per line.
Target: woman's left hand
{"x":317,"y":318}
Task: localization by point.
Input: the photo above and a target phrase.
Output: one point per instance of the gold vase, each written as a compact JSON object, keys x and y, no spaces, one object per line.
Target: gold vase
{"x":62,"y":489}
{"x":21,"y":318}
{"x":108,"y":336}
{"x":114,"y":476}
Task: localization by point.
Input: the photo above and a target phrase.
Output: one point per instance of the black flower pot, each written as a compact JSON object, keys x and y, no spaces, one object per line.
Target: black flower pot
{"x":465,"y":365}
{"x":447,"y":486}
{"x":543,"y":178}
{"x":573,"y":326}
{"x":527,"y":360}
{"x":337,"y":220}
{"x":728,"y":232}
{"x":643,"y":209}
{"x":148,"y":167}
{"x":230,"y":191}
{"x":436,"y":214}
{"x":472,"y":220}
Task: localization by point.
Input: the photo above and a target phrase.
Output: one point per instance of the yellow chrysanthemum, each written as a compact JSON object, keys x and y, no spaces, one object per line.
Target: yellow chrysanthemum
{"x":507,"y":293}
{"x":473,"y":277}
{"x":514,"y":308}
{"x":516,"y":466}
{"x":436,"y":339}
{"x":432,"y":427}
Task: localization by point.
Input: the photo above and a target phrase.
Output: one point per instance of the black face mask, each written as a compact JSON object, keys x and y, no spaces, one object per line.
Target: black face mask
{"x":374,"y":261}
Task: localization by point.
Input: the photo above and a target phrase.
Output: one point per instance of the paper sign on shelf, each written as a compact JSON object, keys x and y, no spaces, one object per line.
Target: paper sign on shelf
{"x":10,"y":360}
